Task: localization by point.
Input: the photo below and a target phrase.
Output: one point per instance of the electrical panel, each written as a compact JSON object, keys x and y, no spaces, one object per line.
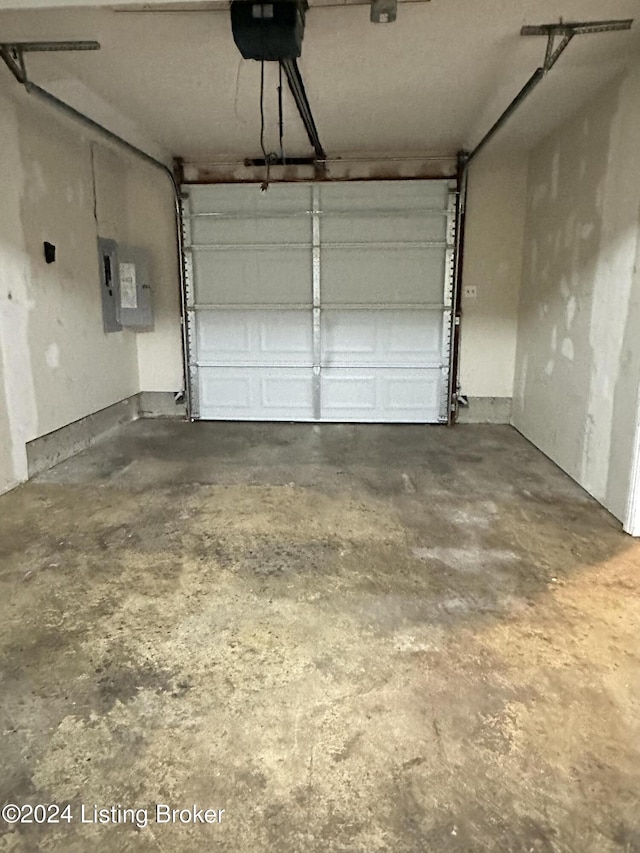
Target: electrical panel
{"x":268,"y":32}
{"x":124,"y":286}
{"x":134,"y":308}
{"x":109,"y":284}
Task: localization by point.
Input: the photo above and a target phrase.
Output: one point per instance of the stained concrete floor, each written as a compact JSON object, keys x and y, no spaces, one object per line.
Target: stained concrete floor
{"x":348,"y":638}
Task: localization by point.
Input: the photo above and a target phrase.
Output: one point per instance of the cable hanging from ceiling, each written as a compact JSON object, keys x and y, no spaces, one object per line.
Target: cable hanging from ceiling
{"x":273,"y":32}
{"x":271,"y":158}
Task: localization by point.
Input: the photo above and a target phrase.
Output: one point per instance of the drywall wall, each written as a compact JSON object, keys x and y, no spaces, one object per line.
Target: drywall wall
{"x":65,"y":186}
{"x":625,"y":451}
{"x":152,"y":225}
{"x":57,"y":363}
{"x":6,"y":437}
{"x":578,"y":359}
{"x":632,"y":520}
{"x":18,"y":411}
{"x":496,"y":205}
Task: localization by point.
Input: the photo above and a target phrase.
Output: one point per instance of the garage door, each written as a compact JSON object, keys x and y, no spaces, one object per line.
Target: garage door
{"x":320,"y":302}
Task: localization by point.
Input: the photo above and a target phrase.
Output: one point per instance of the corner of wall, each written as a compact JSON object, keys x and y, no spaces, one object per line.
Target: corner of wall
{"x":492,"y":276}
{"x":152,"y":226}
{"x":577,"y":358}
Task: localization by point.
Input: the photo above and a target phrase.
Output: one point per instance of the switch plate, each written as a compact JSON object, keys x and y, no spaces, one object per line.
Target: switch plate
{"x":470,"y":291}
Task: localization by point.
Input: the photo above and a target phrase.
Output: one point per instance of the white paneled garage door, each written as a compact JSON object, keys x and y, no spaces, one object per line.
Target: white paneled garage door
{"x":320,"y":302}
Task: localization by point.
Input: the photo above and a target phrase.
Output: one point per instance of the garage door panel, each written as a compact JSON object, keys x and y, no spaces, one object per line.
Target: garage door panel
{"x":286,"y":336}
{"x":251,"y":393}
{"x":236,"y":200}
{"x":211,"y":230}
{"x":384,"y":229}
{"x":382,"y":276}
{"x":384,"y":195}
{"x":240,"y":277}
{"x":254,"y":337}
{"x":324,"y":302}
{"x":223,"y":335}
{"x":401,"y":396}
{"x":403,"y":338}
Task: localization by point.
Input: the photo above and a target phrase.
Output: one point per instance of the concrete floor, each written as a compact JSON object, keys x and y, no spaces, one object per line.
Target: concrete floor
{"x":349,"y":638}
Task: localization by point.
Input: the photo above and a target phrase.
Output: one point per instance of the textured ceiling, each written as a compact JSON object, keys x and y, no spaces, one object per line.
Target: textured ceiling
{"x":433,"y":81}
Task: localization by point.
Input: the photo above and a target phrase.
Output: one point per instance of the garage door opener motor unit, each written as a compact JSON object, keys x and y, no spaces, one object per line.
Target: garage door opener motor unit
{"x":268,"y":32}
{"x":273,"y":32}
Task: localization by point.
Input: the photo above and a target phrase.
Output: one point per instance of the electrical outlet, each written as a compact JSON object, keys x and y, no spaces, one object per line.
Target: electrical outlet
{"x":470,"y":291}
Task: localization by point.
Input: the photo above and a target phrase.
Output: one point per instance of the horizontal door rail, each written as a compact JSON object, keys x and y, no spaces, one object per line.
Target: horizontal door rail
{"x":303,"y":214}
{"x":225,"y":247}
{"x":398,"y":244}
{"x":308,"y":365}
{"x":300,"y":214}
{"x":270,"y":365}
{"x":374,"y":365}
{"x":239,"y":306}
{"x":387,"y":212}
{"x":327,"y":306}
{"x":384,"y":306}
{"x":391,"y":244}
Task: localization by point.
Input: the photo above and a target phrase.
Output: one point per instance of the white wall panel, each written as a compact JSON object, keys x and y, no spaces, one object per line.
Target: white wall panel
{"x":213,"y":229}
{"x":235,"y":199}
{"x":377,"y":228}
{"x":254,"y":393}
{"x":374,"y":394}
{"x":377,"y":275}
{"x":385,"y":338}
{"x":243,"y":276}
{"x":254,"y":337}
{"x":403,"y":196}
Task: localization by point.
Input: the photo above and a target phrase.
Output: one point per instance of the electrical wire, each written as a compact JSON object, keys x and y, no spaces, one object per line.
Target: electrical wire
{"x":280,"y":114}
{"x":265,"y":184}
{"x":262,"y":123}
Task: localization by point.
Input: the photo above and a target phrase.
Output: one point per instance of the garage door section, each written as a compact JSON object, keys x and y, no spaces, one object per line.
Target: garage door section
{"x":249,"y":272}
{"x":323,"y":302}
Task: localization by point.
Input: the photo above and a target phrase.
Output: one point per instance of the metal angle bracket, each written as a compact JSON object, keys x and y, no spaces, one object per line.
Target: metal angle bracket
{"x":12,"y":53}
{"x":566,"y":32}
{"x":577,"y":27}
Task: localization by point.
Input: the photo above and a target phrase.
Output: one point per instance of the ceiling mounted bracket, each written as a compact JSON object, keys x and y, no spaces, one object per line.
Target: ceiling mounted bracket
{"x":383,"y":11}
{"x":12,"y":53}
{"x":566,"y":32}
{"x":579,"y":28}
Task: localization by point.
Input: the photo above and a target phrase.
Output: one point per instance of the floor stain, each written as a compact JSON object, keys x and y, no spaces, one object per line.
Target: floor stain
{"x":282,"y":623}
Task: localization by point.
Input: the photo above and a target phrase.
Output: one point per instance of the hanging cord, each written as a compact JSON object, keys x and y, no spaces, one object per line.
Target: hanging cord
{"x":280,"y":114}
{"x":265,"y":184}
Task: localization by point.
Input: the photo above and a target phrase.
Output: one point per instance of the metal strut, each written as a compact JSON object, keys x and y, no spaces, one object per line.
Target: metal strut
{"x":294,"y":79}
{"x":565,"y":32}
{"x":12,"y":52}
